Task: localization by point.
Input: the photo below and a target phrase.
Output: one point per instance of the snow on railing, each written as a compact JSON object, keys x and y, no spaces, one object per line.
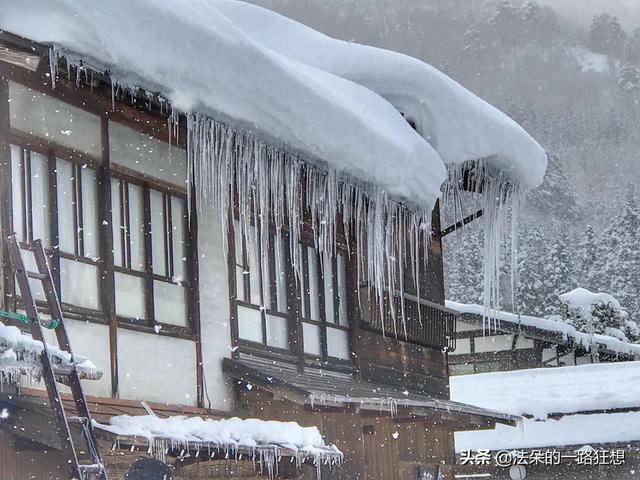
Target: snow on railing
{"x":266,"y":442}
{"x":20,"y":356}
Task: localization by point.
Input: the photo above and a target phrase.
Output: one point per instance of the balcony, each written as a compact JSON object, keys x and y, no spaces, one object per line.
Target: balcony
{"x":424,"y":323}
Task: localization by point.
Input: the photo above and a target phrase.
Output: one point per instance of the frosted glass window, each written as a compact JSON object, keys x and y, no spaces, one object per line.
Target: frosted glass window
{"x":16,"y":191}
{"x":130,"y":296}
{"x":40,"y":198}
{"x":343,"y":318}
{"x":277,"y":332}
{"x":77,"y":209}
{"x":136,"y":227}
{"x":313,"y":276}
{"x":250,"y":324}
{"x":42,"y":116}
{"x":29,"y":261}
{"x":253,"y":255}
{"x":30,"y":195}
{"x":146,"y":154}
{"x":179,"y":246}
{"x":329,"y":301}
{"x":158,"y":230}
{"x":338,"y":343}
{"x":116,"y":223}
{"x":280,"y":276}
{"x":311,"y":336}
{"x":170,"y":303}
{"x":66,"y":226}
{"x":79,"y":284}
{"x":90,"y":212}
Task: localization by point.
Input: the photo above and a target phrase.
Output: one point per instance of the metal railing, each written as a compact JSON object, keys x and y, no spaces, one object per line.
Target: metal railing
{"x":424,"y":323}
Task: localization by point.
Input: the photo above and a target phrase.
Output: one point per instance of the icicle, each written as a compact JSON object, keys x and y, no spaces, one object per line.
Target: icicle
{"x":226,"y":164}
{"x":500,"y":197}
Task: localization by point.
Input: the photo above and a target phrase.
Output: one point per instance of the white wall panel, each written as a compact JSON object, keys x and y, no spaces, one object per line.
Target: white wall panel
{"x":156,"y":368}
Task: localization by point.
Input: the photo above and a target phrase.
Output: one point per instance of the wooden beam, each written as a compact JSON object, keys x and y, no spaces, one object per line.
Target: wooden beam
{"x":465,"y":221}
{"x":19,"y":57}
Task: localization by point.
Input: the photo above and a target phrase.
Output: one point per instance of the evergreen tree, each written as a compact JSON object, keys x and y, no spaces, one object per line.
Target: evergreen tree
{"x":588,"y":253}
{"x":463,"y":264}
{"x":618,"y":262}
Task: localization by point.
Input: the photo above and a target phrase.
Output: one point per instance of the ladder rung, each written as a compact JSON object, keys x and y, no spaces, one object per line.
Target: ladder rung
{"x":80,"y":420}
{"x":93,"y":468}
{"x":36,"y":275}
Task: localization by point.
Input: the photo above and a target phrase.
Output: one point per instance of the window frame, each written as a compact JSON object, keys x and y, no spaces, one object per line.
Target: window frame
{"x":106,"y":289}
{"x":295,"y":317}
{"x":189,"y":283}
{"x":237,"y":303}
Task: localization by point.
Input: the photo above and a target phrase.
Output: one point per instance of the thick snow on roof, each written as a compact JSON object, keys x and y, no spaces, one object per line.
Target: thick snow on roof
{"x":543,"y":391}
{"x":280,"y":80}
{"x":20,"y":355}
{"x":568,"y":331}
{"x":459,"y":125}
{"x":574,"y":430}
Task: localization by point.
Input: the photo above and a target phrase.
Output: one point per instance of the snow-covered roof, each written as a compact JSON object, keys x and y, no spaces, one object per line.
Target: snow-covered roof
{"x":268,"y":75}
{"x":20,"y":356}
{"x":574,"y":430}
{"x":569,"y":332}
{"x":263,"y":440}
{"x":572,"y":392}
{"x":561,"y":390}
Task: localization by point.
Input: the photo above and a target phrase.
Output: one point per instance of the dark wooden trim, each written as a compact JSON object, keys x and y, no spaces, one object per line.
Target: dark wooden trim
{"x":231,"y":275}
{"x":190,"y":229}
{"x":148,"y":258}
{"x":106,"y":252}
{"x":465,"y":221}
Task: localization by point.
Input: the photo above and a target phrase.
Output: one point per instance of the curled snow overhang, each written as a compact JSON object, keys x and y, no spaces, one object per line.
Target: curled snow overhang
{"x":266,"y":442}
{"x":460,"y":126}
{"x":20,"y":358}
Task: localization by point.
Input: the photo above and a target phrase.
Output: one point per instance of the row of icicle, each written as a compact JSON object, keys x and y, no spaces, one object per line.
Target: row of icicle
{"x":271,"y":187}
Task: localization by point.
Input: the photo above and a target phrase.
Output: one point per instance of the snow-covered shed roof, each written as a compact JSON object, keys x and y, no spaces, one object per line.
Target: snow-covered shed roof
{"x":330,"y":100}
{"x":541,"y":392}
{"x":20,"y":356}
{"x":565,"y":331}
{"x":596,"y":403}
{"x":261,"y":440}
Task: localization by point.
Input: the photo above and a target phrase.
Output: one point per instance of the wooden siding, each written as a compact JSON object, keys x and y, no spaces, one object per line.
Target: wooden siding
{"x":391,"y":361}
{"x":375,"y":446}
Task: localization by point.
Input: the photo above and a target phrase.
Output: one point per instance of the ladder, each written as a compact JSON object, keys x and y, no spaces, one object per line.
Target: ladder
{"x":77,"y":471}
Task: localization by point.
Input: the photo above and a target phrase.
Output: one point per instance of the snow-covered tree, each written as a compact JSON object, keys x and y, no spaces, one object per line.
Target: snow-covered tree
{"x":463,"y":264}
{"x":598,"y":313}
{"x":618,"y":262}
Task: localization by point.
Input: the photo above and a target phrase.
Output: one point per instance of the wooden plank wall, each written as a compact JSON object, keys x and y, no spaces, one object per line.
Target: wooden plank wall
{"x":375,"y":446}
{"x":387,"y":360}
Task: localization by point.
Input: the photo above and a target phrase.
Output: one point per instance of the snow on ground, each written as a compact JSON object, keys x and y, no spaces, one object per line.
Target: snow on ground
{"x":574,"y":430}
{"x":543,"y":391}
{"x":19,"y":355}
{"x":568,"y":331}
{"x":270,"y":76}
{"x":590,"y":61}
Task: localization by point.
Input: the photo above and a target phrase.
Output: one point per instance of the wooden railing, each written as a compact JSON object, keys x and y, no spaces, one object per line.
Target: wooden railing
{"x":421,"y":322}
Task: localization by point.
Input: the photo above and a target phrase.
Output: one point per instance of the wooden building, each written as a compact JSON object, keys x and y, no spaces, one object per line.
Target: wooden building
{"x":515,"y":342}
{"x":174,"y":319}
